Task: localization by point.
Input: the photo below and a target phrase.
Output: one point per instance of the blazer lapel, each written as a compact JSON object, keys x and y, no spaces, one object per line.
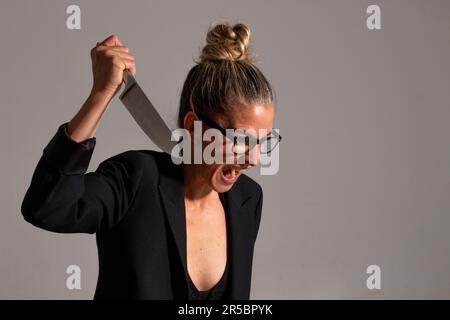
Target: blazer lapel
{"x":171,"y":189}
{"x":241,"y":243}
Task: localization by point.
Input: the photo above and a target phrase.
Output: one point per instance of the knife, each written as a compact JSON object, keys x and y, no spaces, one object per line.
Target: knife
{"x":145,"y":114}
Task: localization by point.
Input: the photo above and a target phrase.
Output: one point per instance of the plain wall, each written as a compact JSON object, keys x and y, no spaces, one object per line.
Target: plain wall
{"x":364,"y":175}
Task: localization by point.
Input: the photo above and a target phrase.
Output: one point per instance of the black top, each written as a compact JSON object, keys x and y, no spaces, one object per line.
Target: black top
{"x":134,"y":204}
{"x":215,"y":293}
{"x":219,"y":290}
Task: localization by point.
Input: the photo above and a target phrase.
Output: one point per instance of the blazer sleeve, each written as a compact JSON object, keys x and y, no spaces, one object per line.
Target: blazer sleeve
{"x":63,"y":198}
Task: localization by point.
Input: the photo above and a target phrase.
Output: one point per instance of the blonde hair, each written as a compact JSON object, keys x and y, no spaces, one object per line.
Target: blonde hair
{"x":225,"y":77}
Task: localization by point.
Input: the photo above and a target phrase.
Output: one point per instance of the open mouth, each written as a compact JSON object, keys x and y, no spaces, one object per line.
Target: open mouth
{"x":230,"y":174}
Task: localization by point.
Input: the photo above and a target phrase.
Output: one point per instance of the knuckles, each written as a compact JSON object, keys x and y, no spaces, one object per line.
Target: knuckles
{"x":106,"y":53}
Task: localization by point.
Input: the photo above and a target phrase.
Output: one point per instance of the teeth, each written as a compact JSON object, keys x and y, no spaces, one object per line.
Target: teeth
{"x":234,"y":172}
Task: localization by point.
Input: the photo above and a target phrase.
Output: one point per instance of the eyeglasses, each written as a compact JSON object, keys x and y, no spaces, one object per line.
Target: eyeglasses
{"x":243,"y":142}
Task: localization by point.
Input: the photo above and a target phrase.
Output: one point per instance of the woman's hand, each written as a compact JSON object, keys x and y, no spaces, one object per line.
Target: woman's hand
{"x":110,"y":59}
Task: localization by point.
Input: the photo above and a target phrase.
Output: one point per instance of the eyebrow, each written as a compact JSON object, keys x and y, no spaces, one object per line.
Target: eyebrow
{"x":267,"y":136}
{"x":215,"y":124}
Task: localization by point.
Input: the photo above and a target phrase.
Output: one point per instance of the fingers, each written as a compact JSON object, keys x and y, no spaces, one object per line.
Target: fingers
{"x":117,"y":48}
{"x":112,"y":40}
{"x":98,"y":49}
{"x":130,"y":66}
{"x":119,"y":61}
{"x":119,"y":54}
{"x":108,"y":52}
{"x":122,"y":60}
{"x":122,"y":54}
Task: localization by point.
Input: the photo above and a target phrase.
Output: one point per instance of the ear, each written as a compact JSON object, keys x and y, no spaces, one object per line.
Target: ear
{"x":188,"y":121}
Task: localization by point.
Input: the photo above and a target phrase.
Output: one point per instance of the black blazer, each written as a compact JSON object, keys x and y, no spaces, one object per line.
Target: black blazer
{"x":134,"y":202}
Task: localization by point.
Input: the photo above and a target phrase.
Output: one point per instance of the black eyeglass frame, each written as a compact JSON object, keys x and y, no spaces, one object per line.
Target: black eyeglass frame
{"x":250,"y":140}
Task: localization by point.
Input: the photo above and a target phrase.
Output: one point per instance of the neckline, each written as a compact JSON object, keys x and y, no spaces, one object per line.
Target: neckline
{"x":213,"y":287}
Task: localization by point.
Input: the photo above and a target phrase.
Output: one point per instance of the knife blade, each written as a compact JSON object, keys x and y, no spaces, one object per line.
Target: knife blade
{"x":145,"y":114}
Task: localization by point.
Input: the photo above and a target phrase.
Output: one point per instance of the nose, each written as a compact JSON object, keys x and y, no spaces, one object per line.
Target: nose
{"x":253,"y":157}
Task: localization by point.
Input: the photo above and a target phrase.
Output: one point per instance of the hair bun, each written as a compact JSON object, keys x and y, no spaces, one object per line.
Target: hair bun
{"x":226,"y":42}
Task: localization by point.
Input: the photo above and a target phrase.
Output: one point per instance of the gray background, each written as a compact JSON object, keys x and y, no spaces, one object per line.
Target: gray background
{"x":364,"y":176}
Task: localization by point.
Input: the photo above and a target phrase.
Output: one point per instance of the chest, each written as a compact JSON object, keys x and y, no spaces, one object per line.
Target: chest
{"x":206,"y":236}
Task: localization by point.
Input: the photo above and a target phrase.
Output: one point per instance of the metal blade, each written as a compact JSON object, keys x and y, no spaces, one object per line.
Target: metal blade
{"x":145,"y":114}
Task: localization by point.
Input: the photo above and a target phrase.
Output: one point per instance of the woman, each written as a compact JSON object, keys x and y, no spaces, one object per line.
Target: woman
{"x":164,"y":231}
